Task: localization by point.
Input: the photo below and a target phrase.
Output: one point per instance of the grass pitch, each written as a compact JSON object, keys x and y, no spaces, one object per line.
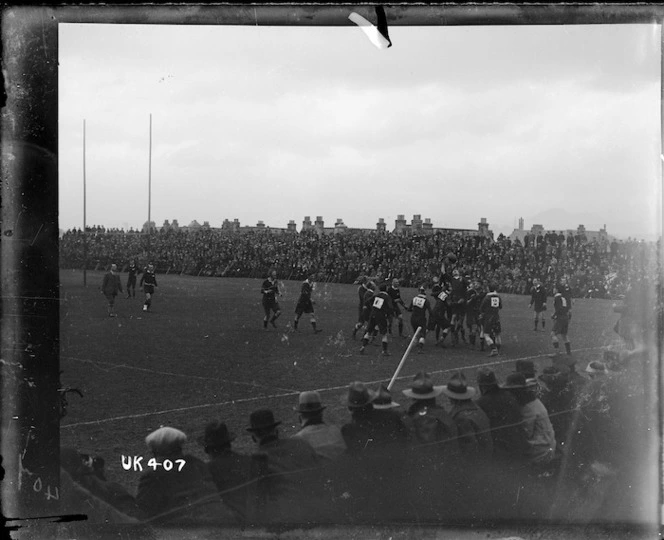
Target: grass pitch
{"x":201,"y":353}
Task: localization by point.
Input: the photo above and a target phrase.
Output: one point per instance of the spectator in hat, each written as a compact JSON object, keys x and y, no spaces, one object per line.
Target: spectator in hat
{"x":472,"y":423}
{"x":527,"y":367}
{"x":370,"y":429}
{"x":434,"y":459}
{"x":539,"y":431}
{"x":229,"y":469}
{"x":325,"y":439}
{"x":182,"y":494}
{"x":376,"y":439}
{"x":432,"y":426}
{"x":504,"y":413}
{"x":288,"y":484}
{"x":557,"y":396}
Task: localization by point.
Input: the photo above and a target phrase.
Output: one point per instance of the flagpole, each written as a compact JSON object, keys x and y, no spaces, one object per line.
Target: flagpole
{"x":85,"y":232}
{"x":150,"y":188}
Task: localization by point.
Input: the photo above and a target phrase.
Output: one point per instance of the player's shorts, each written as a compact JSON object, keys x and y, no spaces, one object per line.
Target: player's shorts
{"x":110,"y":298}
{"x":441,"y":321}
{"x":304,"y":305}
{"x":560,"y":325}
{"x":472,"y":319}
{"x":539,"y":309}
{"x":458,"y":309}
{"x":148,"y":289}
{"x":396,"y":311}
{"x":131,"y":281}
{"x":270,"y":305}
{"x":381,"y":322}
{"x":492,"y":326}
{"x":416,"y":323}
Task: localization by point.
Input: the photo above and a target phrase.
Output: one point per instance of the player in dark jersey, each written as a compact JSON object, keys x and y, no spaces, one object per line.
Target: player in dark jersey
{"x":305,"y":304}
{"x":420,"y":307}
{"x":381,"y":310}
{"x":473,"y":301}
{"x":566,"y":291}
{"x":362,"y":291}
{"x":270,"y":292}
{"x":538,"y":301}
{"x":439,"y":318}
{"x":560,"y":321}
{"x":490,"y":317}
{"x":149,"y":283}
{"x":458,"y":287}
{"x":395,"y":295}
{"x":482,"y":291}
{"x":131,"y":278}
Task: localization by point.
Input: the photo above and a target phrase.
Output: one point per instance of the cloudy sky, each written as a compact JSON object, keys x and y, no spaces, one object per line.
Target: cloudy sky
{"x":559,"y":125}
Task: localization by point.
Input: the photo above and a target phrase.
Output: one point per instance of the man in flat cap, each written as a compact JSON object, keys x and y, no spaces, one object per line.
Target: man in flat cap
{"x":177,"y":489}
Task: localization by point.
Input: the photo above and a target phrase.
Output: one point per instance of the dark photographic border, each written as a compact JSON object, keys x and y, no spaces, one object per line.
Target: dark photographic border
{"x":29,"y":261}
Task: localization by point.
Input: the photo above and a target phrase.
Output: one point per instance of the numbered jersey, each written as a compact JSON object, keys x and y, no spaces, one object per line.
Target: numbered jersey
{"x":561,"y":306}
{"x":381,"y":305}
{"x":419,"y":306}
{"x":491,"y":305}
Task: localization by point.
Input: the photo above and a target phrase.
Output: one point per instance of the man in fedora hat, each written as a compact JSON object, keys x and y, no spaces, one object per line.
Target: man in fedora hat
{"x":472,"y":423}
{"x":539,"y":431}
{"x":504,"y":414}
{"x":325,"y":439}
{"x":229,"y":470}
{"x":287,"y":472}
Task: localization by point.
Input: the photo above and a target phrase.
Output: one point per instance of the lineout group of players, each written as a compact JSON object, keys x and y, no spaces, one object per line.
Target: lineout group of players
{"x":454,"y":299}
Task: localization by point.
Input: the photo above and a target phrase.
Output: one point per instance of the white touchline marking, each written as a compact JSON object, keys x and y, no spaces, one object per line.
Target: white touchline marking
{"x":295,"y":393}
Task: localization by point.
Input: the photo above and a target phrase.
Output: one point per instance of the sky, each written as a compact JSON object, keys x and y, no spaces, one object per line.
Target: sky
{"x":559,"y":125}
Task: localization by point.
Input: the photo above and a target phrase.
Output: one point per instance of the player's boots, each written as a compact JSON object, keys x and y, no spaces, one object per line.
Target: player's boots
{"x":265,"y":324}
{"x":384,"y":352}
{"x":494,"y":352}
{"x":295,"y":324}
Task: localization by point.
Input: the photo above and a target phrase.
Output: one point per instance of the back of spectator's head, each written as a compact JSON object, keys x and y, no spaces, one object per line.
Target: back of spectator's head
{"x":383,"y":286}
{"x":359,"y":396}
{"x":309,"y":404}
{"x":383,"y":399}
{"x":486,"y":378}
{"x":527,"y":367}
{"x":262,"y":421}
{"x":216,"y":436}
{"x":166,"y":441}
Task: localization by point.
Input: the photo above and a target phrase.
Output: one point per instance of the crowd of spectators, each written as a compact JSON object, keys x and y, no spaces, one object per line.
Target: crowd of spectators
{"x":535,"y":446}
{"x":597,"y":268}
